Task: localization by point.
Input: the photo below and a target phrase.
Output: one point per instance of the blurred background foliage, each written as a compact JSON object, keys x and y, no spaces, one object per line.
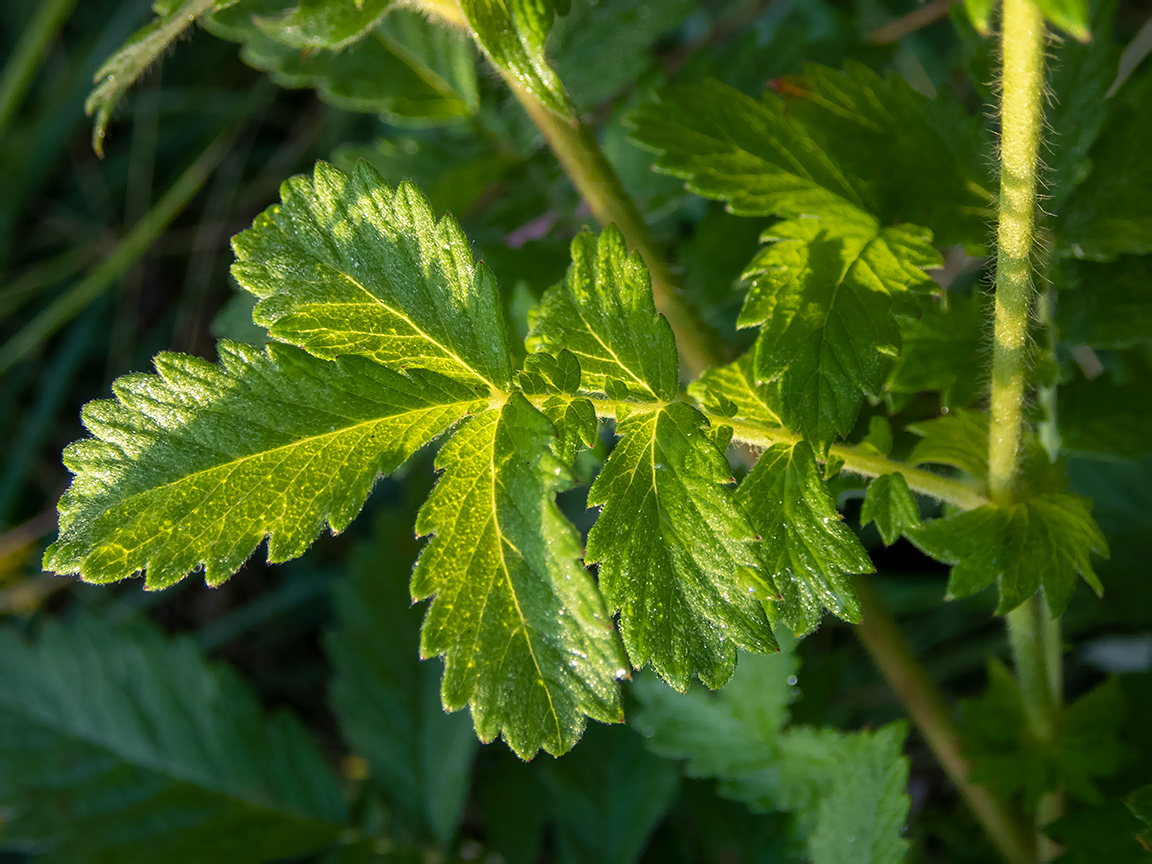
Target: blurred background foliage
{"x":105,"y":262}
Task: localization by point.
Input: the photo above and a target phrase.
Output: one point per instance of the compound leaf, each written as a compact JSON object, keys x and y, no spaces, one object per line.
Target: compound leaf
{"x":1044,"y":541}
{"x":527,"y":640}
{"x":807,"y":550}
{"x":117,"y":744}
{"x":743,"y":151}
{"x":958,"y":439}
{"x":675,"y":552}
{"x":321,"y":24}
{"x":196,"y":465}
{"x":512,"y":34}
{"x":603,"y":313}
{"x":387,"y":701}
{"x":823,"y":294}
{"x":890,"y":504}
{"x":345,"y":265}
{"x":124,"y":68}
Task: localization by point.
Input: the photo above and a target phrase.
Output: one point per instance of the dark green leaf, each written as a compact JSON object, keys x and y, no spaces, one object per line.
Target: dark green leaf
{"x":889,"y":503}
{"x":959,"y":439}
{"x":808,"y":551}
{"x":604,"y":314}
{"x":1091,"y":835}
{"x":528,"y":641}
{"x":924,"y":160}
{"x":744,"y":151}
{"x":1111,"y":413}
{"x":1105,"y":305}
{"x":345,"y":265}
{"x":943,"y":350}
{"x":675,"y":552}
{"x":388,"y":703}
{"x":823,"y":294}
{"x":1008,"y":758}
{"x":119,"y":745}
{"x":1044,"y":541}
{"x":195,"y":466}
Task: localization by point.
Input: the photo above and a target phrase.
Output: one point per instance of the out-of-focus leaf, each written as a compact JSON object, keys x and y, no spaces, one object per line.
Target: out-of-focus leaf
{"x":889,"y":503}
{"x":387,"y":701}
{"x":1109,"y":414}
{"x":322,"y":24}
{"x":117,"y":744}
{"x":943,"y":350}
{"x":1070,"y":16}
{"x":1105,"y":305}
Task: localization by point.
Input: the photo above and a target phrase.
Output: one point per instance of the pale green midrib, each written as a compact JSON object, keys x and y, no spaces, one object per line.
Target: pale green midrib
{"x":750,"y":432}
{"x":159,"y":766}
{"x":231,"y":463}
{"x":502,"y":540}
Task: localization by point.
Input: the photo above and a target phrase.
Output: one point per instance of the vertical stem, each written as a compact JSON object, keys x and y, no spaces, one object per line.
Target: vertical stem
{"x":596,"y":181}
{"x":1021,"y":119}
{"x":1032,"y":633}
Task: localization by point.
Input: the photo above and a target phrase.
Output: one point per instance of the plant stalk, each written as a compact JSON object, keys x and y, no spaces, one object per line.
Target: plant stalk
{"x":1034,"y":636}
{"x":893,"y":656}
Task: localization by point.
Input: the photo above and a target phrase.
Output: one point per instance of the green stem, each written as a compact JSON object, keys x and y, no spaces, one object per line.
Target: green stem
{"x":916,"y":690}
{"x":131,"y":248}
{"x":1021,"y":120}
{"x":576,"y":149}
{"x":1034,"y":636}
{"x":30,"y":50}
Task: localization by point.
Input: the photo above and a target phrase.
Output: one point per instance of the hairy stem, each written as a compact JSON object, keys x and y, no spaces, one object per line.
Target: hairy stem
{"x":893,"y":656}
{"x":1030,"y":629}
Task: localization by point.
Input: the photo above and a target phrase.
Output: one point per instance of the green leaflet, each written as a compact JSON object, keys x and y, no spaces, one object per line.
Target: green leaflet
{"x":117,"y":744}
{"x":323,"y":24}
{"x":889,"y":503}
{"x":345,"y":265}
{"x":1044,"y":541}
{"x":675,"y":552}
{"x":196,"y":465}
{"x":387,"y":702}
{"x":744,"y":151}
{"x":604,"y":314}
{"x":573,"y":417}
{"x":924,"y":160}
{"x":122,"y":69}
{"x":732,"y":391}
{"x":1111,"y":833}
{"x":1110,"y":413}
{"x":807,"y":550}
{"x":1006,"y":756}
{"x":512,"y":34}
{"x":408,"y":68}
{"x":823,"y":294}
{"x":527,"y":640}
{"x":1069,"y":15}
{"x":847,"y":790}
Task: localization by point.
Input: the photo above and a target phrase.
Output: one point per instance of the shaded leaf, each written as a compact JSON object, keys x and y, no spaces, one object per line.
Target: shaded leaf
{"x":890,"y":504}
{"x":321,"y":24}
{"x":1044,"y":541}
{"x":943,"y":350}
{"x":528,"y":643}
{"x":387,"y":701}
{"x":119,"y":745}
{"x":824,"y":293}
{"x":1105,"y":305}
{"x":808,"y":551}
{"x":675,"y":551}
{"x":958,"y":439}
{"x":345,"y":265}
{"x":195,"y":466}
{"x":1109,"y":833}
